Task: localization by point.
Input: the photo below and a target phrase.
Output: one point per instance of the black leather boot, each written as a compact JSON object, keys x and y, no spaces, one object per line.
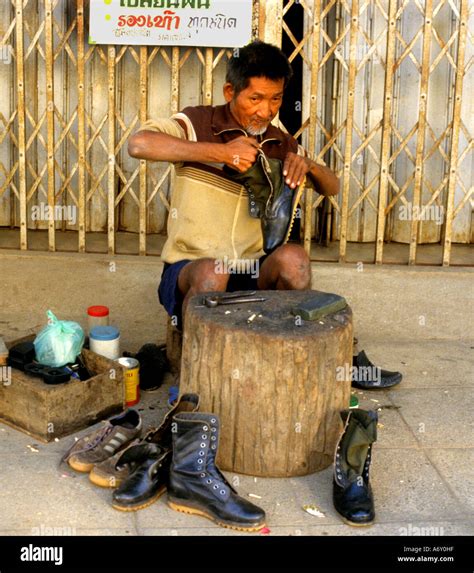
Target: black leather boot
{"x":270,"y":199}
{"x":162,"y":435}
{"x":197,"y":486}
{"x":367,"y":376}
{"x":146,"y":483}
{"x":352,"y":494}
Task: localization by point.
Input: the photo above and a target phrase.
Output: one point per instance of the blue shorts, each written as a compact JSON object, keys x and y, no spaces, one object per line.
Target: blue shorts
{"x":171,"y":298}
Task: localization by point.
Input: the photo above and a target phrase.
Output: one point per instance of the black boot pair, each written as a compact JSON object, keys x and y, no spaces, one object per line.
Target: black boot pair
{"x":352,"y":493}
{"x":142,"y":470}
{"x":189,"y":472}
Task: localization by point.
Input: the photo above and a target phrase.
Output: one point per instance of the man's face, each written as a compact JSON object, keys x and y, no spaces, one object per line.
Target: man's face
{"x":256,"y":105}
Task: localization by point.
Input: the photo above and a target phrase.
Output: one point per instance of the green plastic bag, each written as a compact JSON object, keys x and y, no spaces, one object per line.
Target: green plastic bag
{"x":59,"y":342}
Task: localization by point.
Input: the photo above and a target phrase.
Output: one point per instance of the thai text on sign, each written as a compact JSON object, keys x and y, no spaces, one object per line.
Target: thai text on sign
{"x":219,"y":23}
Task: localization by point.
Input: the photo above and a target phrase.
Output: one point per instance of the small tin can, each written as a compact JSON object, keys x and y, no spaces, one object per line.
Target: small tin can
{"x":132,"y":380}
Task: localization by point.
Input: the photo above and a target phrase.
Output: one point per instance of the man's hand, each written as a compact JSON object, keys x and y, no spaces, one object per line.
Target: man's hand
{"x":241,"y":153}
{"x":295,"y":169}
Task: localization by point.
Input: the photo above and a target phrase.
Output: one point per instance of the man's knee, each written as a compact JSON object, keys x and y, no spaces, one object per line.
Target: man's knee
{"x":294,"y":266}
{"x":202,"y":276}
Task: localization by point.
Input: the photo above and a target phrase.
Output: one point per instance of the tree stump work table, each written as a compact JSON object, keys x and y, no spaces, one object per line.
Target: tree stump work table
{"x":275,"y":382}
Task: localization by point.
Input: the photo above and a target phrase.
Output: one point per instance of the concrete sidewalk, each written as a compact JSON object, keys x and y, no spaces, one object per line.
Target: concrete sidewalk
{"x":416,"y":320}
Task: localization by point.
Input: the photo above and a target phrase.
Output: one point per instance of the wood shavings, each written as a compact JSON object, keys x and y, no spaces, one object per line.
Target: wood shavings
{"x":33,"y":449}
{"x":313,"y":510}
{"x":255,"y":496}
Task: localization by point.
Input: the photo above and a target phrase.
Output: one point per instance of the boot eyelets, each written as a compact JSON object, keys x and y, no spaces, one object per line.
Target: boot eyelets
{"x":204,"y":437}
{"x":213,"y":438}
{"x":209,"y":481}
{"x":213,"y":421}
{"x":213,"y":447}
{"x":222,"y":491}
{"x":201,"y":453}
{"x":203,"y":445}
{"x":203,"y":475}
{"x":215,"y":486}
{"x":213,"y":430}
{"x":205,"y":428}
{"x":199,"y":461}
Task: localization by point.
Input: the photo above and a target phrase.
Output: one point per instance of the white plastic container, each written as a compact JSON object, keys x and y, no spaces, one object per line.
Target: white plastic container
{"x":97,"y":315}
{"x":105,"y":340}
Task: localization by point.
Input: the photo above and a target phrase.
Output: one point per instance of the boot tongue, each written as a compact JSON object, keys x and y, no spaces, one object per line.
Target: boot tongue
{"x":361,"y":432}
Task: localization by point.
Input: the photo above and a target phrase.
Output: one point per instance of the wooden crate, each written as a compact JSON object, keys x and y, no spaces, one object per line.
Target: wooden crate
{"x":47,"y":412}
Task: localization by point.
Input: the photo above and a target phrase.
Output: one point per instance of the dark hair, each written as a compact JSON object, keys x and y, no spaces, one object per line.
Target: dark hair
{"x":257,"y":60}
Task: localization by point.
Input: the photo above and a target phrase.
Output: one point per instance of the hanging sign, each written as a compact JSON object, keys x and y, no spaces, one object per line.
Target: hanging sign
{"x":216,"y":23}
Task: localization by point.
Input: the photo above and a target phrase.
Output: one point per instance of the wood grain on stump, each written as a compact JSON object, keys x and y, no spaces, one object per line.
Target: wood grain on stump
{"x":174,"y":341}
{"x":277,"y":383}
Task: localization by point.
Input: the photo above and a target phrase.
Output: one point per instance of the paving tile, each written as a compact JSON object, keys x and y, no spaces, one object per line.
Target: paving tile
{"x":424,"y":363}
{"x":456,"y":467}
{"x":281,"y":499}
{"x":76,"y":532}
{"x":438,"y":418}
{"x":408,"y":488}
{"x":392,"y":431}
{"x":33,"y":494}
{"x":202,"y":531}
{"x":400,"y":528}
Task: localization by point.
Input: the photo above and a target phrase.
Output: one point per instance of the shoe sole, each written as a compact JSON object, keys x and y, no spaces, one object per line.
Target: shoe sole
{"x":194,"y":511}
{"x":375,"y":386}
{"x":80,"y":466}
{"x":353,"y":524}
{"x":152,"y":500}
{"x":107,"y":482}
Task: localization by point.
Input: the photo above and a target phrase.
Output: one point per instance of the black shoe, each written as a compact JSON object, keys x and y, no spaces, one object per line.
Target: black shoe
{"x":163,"y":435}
{"x":196,"y":485}
{"x":146,"y":484}
{"x":153,"y":365}
{"x":367,"y":376}
{"x":270,"y":199}
{"x":278,"y":219}
{"x":355,"y":503}
{"x":352,"y":494}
